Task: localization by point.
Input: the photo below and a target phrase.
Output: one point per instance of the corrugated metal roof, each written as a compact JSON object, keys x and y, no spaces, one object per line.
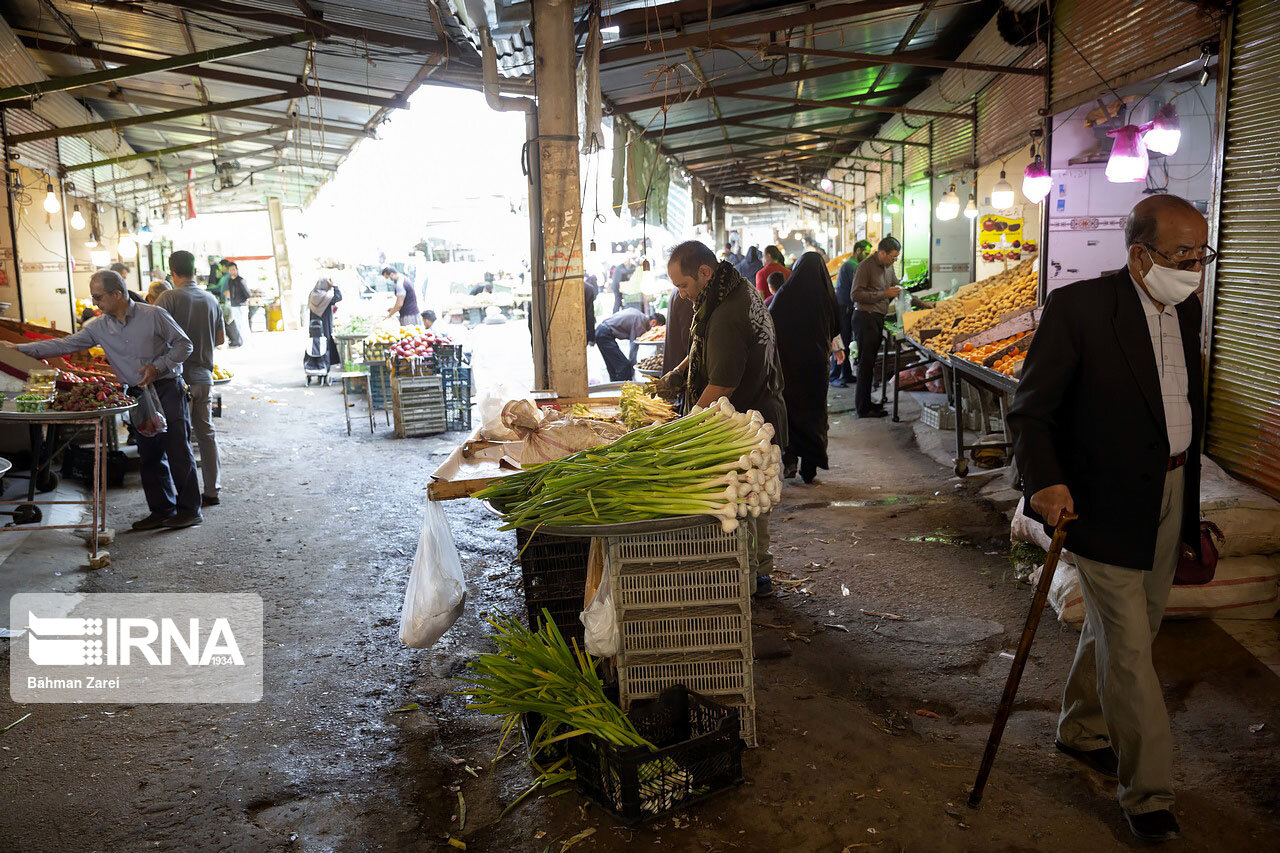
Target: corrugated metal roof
{"x":371,"y":49}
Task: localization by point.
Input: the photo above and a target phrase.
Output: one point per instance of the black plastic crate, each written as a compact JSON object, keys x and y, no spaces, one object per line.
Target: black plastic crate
{"x":457,"y":397}
{"x":699,"y":754}
{"x":77,"y":464}
{"x":552,"y":567}
{"x":564,"y":613}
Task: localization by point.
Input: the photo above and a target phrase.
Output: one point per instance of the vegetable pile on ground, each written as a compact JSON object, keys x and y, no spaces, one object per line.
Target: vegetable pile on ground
{"x":89,"y":396}
{"x":714,"y":461}
{"x":639,"y":408}
{"x":537,"y":672}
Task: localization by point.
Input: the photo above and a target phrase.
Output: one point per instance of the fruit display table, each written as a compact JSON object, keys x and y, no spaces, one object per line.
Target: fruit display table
{"x":44,"y":445}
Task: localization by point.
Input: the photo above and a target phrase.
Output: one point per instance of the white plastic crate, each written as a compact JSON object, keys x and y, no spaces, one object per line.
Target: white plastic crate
{"x":680,"y":632}
{"x":690,"y":584}
{"x":702,"y":543}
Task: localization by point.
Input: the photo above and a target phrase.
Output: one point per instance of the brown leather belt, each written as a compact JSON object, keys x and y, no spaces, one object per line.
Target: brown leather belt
{"x":1176,"y":462}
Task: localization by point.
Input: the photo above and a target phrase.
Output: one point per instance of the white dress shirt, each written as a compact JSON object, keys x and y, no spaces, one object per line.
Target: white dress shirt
{"x":1171,"y":365}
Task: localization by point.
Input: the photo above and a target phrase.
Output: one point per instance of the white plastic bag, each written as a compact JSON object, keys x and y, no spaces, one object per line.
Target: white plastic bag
{"x":436,"y":592}
{"x":603,"y":638}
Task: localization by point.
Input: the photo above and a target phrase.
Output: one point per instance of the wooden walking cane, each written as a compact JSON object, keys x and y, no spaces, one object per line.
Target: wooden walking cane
{"x":1020,"y":658}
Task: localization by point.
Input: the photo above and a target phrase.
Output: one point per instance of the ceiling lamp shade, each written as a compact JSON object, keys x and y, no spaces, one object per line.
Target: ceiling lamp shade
{"x":892,"y":204}
{"x":1036,"y":181}
{"x":1163,"y":133}
{"x":1128,"y":160}
{"x":971,"y":209}
{"x":1002,"y":193}
{"x":949,"y":206}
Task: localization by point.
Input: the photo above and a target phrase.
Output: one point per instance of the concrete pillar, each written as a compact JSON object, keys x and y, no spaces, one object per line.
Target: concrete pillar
{"x":721,"y":226}
{"x":560,"y":315}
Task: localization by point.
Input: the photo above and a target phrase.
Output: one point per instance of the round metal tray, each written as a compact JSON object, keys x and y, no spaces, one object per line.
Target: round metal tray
{"x":223,"y":381}
{"x":55,"y":415}
{"x":656,"y":374}
{"x":652,"y":525}
{"x":651,"y":343}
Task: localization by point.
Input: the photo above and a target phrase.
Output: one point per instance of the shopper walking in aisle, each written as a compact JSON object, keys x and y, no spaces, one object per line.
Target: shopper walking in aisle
{"x":733,"y":354}
{"x":773,"y":263}
{"x":320,"y":302}
{"x":751,"y":264}
{"x":199,"y":316}
{"x":1107,"y":423}
{"x":145,"y":347}
{"x":627,"y":325}
{"x":842,"y":374}
{"x":874,"y":284}
{"x":238,"y":300}
{"x":807,"y":321}
{"x":406,"y":304}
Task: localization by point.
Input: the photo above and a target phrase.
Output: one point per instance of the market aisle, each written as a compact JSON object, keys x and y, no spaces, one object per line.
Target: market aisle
{"x":323,"y":527}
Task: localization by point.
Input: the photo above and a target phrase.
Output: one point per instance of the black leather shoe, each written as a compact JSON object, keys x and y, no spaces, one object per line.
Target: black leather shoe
{"x":152,"y":522}
{"x":874,"y":413}
{"x":1154,"y":826}
{"x":1103,"y":760}
{"x":209,"y":500}
{"x":182,"y":519}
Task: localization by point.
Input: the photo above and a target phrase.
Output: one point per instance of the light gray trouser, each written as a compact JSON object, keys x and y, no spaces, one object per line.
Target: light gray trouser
{"x":761,"y":559}
{"x":202,"y":427}
{"x":1113,"y":694}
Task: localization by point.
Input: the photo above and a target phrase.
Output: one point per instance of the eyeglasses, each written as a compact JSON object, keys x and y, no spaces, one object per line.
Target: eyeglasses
{"x":1186,"y":259}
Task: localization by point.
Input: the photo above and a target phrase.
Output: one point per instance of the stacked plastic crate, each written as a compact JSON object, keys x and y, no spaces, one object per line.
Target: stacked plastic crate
{"x":683,"y":601}
{"x":553,"y":571}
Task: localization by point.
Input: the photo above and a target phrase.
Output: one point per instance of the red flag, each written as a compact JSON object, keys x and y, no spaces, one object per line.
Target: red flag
{"x":191,"y":196}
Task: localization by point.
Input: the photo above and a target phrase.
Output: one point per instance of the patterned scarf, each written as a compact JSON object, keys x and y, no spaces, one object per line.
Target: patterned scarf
{"x":725,"y":280}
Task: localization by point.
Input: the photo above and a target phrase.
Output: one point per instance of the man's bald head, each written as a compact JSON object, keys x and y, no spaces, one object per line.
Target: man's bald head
{"x":1145,"y":220}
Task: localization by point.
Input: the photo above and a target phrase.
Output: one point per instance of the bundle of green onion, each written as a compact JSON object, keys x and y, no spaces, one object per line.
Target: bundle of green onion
{"x":537,"y":672}
{"x":714,"y":461}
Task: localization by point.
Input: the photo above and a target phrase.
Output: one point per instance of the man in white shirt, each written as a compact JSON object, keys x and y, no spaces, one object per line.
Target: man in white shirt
{"x":1107,"y":423}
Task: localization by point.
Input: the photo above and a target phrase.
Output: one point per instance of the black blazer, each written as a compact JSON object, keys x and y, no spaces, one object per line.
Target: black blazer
{"x":1088,"y":413}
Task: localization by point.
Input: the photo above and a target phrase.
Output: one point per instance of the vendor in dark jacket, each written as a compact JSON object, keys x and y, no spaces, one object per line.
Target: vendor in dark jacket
{"x":1107,"y":424}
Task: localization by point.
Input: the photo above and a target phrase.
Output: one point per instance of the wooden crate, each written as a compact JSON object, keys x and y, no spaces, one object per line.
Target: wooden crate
{"x":417,"y":405}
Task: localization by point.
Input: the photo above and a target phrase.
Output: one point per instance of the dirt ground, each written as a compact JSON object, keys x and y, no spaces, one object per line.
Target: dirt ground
{"x":323,"y":527}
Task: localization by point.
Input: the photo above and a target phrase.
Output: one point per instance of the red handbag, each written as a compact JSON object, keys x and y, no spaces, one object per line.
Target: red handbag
{"x":1195,"y":569}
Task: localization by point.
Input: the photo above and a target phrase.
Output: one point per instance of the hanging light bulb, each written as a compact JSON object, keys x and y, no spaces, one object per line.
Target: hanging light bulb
{"x":591,"y":247}
{"x":827,"y":185}
{"x":1036,"y":181}
{"x":971,"y":209}
{"x":833,"y":232}
{"x":127,"y":247}
{"x":893,"y":205}
{"x":1128,"y":160}
{"x":77,"y":219}
{"x":1002,"y":193}
{"x":1163,"y":133}
{"x":949,"y":205}
{"x":51,"y":204}
{"x":92,"y":242}
{"x":645,"y":265}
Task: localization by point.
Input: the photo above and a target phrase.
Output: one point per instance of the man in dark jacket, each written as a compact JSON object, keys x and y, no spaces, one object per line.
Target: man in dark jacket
{"x":1107,"y":424}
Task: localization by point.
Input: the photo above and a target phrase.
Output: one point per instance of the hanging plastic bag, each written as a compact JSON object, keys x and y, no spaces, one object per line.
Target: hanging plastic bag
{"x":603,"y":638}
{"x":147,"y":417}
{"x":436,"y":593}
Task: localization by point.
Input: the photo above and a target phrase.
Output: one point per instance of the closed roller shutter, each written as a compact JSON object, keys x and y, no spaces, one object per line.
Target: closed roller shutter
{"x":1008,"y":110}
{"x":1124,"y":42}
{"x":1244,"y":375}
{"x":917,"y":157}
{"x":41,"y":154}
{"x":952,"y":146}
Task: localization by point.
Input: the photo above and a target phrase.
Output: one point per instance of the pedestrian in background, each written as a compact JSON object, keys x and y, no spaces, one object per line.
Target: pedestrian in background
{"x":842,"y":374}
{"x":406,"y":304}
{"x":238,"y":300}
{"x":199,"y":316}
{"x":874,"y":284}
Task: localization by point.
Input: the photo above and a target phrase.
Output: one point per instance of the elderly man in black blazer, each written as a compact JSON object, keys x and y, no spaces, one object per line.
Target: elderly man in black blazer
{"x":1107,"y":424}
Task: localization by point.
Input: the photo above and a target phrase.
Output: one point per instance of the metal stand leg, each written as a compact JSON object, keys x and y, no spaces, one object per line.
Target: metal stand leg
{"x":897,"y":374}
{"x":884,"y":370}
{"x":368,"y":398}
{"x":386,"y":396}
{"x":346,"y":412}
{"x":961,"y":464}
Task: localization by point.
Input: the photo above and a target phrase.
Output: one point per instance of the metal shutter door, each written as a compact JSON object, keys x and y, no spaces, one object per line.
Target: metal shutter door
{"x":1244,"y":375}
{"x":1126,"y":42}
{"x":1008,"y":110}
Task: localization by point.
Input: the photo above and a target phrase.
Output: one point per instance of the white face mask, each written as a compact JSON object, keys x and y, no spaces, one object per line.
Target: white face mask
{"x":1171,"y":286}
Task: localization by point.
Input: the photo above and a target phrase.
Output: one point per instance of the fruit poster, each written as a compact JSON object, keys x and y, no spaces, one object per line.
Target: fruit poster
{"x":1000,"y":238}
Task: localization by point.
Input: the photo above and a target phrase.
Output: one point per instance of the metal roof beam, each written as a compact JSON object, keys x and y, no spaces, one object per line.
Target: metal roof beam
{"x":315,"y":26}
{"x":659,"y":42}
{"x":707,"y":91}
{"x":797,"y":107}
{"x":917,"y":58}
{"x":853,"y":104}
{"x":174,"y":149}
{"x":147,"y":66}
{"x":150,"y":118}
{"x":328,"y":126}
{"x":194,"y":164}
{"x":257,"y":81}
{"x":841,"y":137}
